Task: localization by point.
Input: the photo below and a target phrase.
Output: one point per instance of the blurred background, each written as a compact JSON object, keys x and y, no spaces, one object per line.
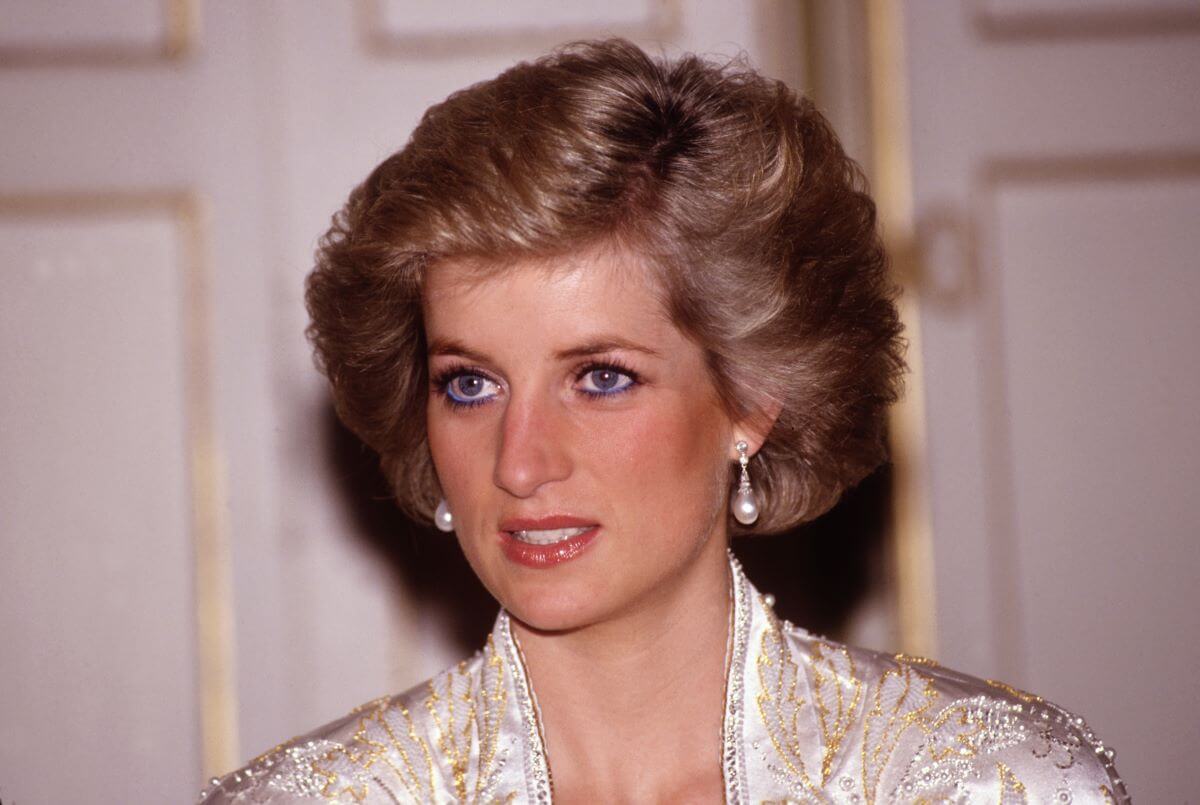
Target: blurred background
{"x":197,"y":562}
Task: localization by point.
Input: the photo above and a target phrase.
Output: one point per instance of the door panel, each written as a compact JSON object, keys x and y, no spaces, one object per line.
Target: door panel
{"x":1055,"y":171}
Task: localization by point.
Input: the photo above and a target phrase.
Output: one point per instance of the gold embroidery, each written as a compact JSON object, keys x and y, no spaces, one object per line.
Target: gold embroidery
{"x":957,"y":737}
{"x":292,"y":767}
{"x":1017,"y":693}
{"x":371,"y":705}
{"x":965,"y":740}
{"x":834,"y":672}
{"x":463,"y":714}
{"x":779,"y":706}
{"x":1012,"y":790}
{"x":902,"y":698}
{"x":361,"y":751}
{"x":494,"y":697}
{"x":1107,"y":793}
{"x":387,"y":735}
{"x":912,"y":659}
{"x":329,"y":790}
{"x":408,"y":744}
{"x":377,"y":735}
{"x":443,"y":709}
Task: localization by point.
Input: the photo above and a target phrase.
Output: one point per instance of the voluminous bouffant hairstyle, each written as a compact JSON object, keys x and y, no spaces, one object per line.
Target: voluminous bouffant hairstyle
{"x":731,"y":189}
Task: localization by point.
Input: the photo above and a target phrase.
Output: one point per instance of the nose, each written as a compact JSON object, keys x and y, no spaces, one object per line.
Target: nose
{"x":532,"y":450}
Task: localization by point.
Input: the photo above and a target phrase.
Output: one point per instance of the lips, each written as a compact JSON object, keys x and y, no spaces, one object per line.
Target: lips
{"x":545,"y":542}
{"x":547,"y":536}
{"x":545,"y":523}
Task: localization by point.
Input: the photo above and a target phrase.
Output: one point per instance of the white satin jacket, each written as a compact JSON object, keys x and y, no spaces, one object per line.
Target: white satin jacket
{"x":806,"y":720}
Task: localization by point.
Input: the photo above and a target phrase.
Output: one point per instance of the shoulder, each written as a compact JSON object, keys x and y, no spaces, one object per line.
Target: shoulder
{"x":382,"y":751}
{"x":324,"y":764}
{"x":926,"y":730}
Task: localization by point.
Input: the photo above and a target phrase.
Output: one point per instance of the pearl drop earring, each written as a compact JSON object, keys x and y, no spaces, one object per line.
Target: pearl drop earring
{"x":442,"y":518}
{"x":745,"y":502}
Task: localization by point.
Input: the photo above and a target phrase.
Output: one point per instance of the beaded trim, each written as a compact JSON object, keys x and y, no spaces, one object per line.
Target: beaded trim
{"x":538,"y":768}
{"x":732,"y":749}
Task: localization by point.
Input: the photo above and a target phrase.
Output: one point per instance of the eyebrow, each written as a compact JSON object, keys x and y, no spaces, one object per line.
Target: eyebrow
{"x":596,"y":346}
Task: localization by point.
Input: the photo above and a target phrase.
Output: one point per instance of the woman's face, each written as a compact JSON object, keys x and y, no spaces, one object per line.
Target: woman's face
{"x":577,"y":437}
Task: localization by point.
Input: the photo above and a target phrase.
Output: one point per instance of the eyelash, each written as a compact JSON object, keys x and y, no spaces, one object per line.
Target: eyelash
{"x":442,"y":380}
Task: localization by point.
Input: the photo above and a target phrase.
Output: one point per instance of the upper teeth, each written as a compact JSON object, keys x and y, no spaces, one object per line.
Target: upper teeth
{"x":549,"y":535}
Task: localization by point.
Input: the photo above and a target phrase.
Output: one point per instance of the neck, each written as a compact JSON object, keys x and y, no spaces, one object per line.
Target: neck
{"x":644,"y":685}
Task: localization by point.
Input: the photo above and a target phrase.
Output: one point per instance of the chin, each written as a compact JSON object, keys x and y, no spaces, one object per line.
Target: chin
{"x":552,"y":610}
{"x":557,"y":599}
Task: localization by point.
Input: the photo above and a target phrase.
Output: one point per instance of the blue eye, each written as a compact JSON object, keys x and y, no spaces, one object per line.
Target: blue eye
{"x":603,"y":381}
{"x":466,"y":387}
{"x":469,"y":389}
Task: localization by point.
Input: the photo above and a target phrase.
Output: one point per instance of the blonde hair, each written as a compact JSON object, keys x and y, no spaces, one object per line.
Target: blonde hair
{"x":734,"y":189}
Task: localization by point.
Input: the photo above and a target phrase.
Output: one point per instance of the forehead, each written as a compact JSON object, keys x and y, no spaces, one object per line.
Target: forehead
{"x":547,"y":299}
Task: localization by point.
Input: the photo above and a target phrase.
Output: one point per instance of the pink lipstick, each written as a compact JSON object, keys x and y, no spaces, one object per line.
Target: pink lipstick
{"x":545,"y":542}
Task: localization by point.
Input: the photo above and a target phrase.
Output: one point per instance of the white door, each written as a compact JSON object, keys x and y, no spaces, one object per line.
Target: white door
{"x":1056,"y":169}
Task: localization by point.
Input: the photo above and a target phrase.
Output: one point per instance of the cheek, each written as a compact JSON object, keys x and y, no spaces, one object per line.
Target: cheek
{"x":669,"y":454}
{"x":457,"y":449}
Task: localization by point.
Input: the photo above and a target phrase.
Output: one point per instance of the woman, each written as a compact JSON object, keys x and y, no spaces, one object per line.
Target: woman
{"x":600,"y":315}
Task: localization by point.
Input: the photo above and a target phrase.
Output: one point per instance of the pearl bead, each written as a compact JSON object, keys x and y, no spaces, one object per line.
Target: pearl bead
{"x":442,"y":518}
{"x":745,"y":507}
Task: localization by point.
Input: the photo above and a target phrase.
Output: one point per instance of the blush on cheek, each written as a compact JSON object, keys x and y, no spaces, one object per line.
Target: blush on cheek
{"x":671,"y":449}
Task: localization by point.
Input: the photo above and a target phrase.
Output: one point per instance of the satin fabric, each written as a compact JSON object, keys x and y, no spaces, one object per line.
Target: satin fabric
{"x":807,"y":720}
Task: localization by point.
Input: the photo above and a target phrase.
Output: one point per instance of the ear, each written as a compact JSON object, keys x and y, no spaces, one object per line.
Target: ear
{"x":754,"y":427}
